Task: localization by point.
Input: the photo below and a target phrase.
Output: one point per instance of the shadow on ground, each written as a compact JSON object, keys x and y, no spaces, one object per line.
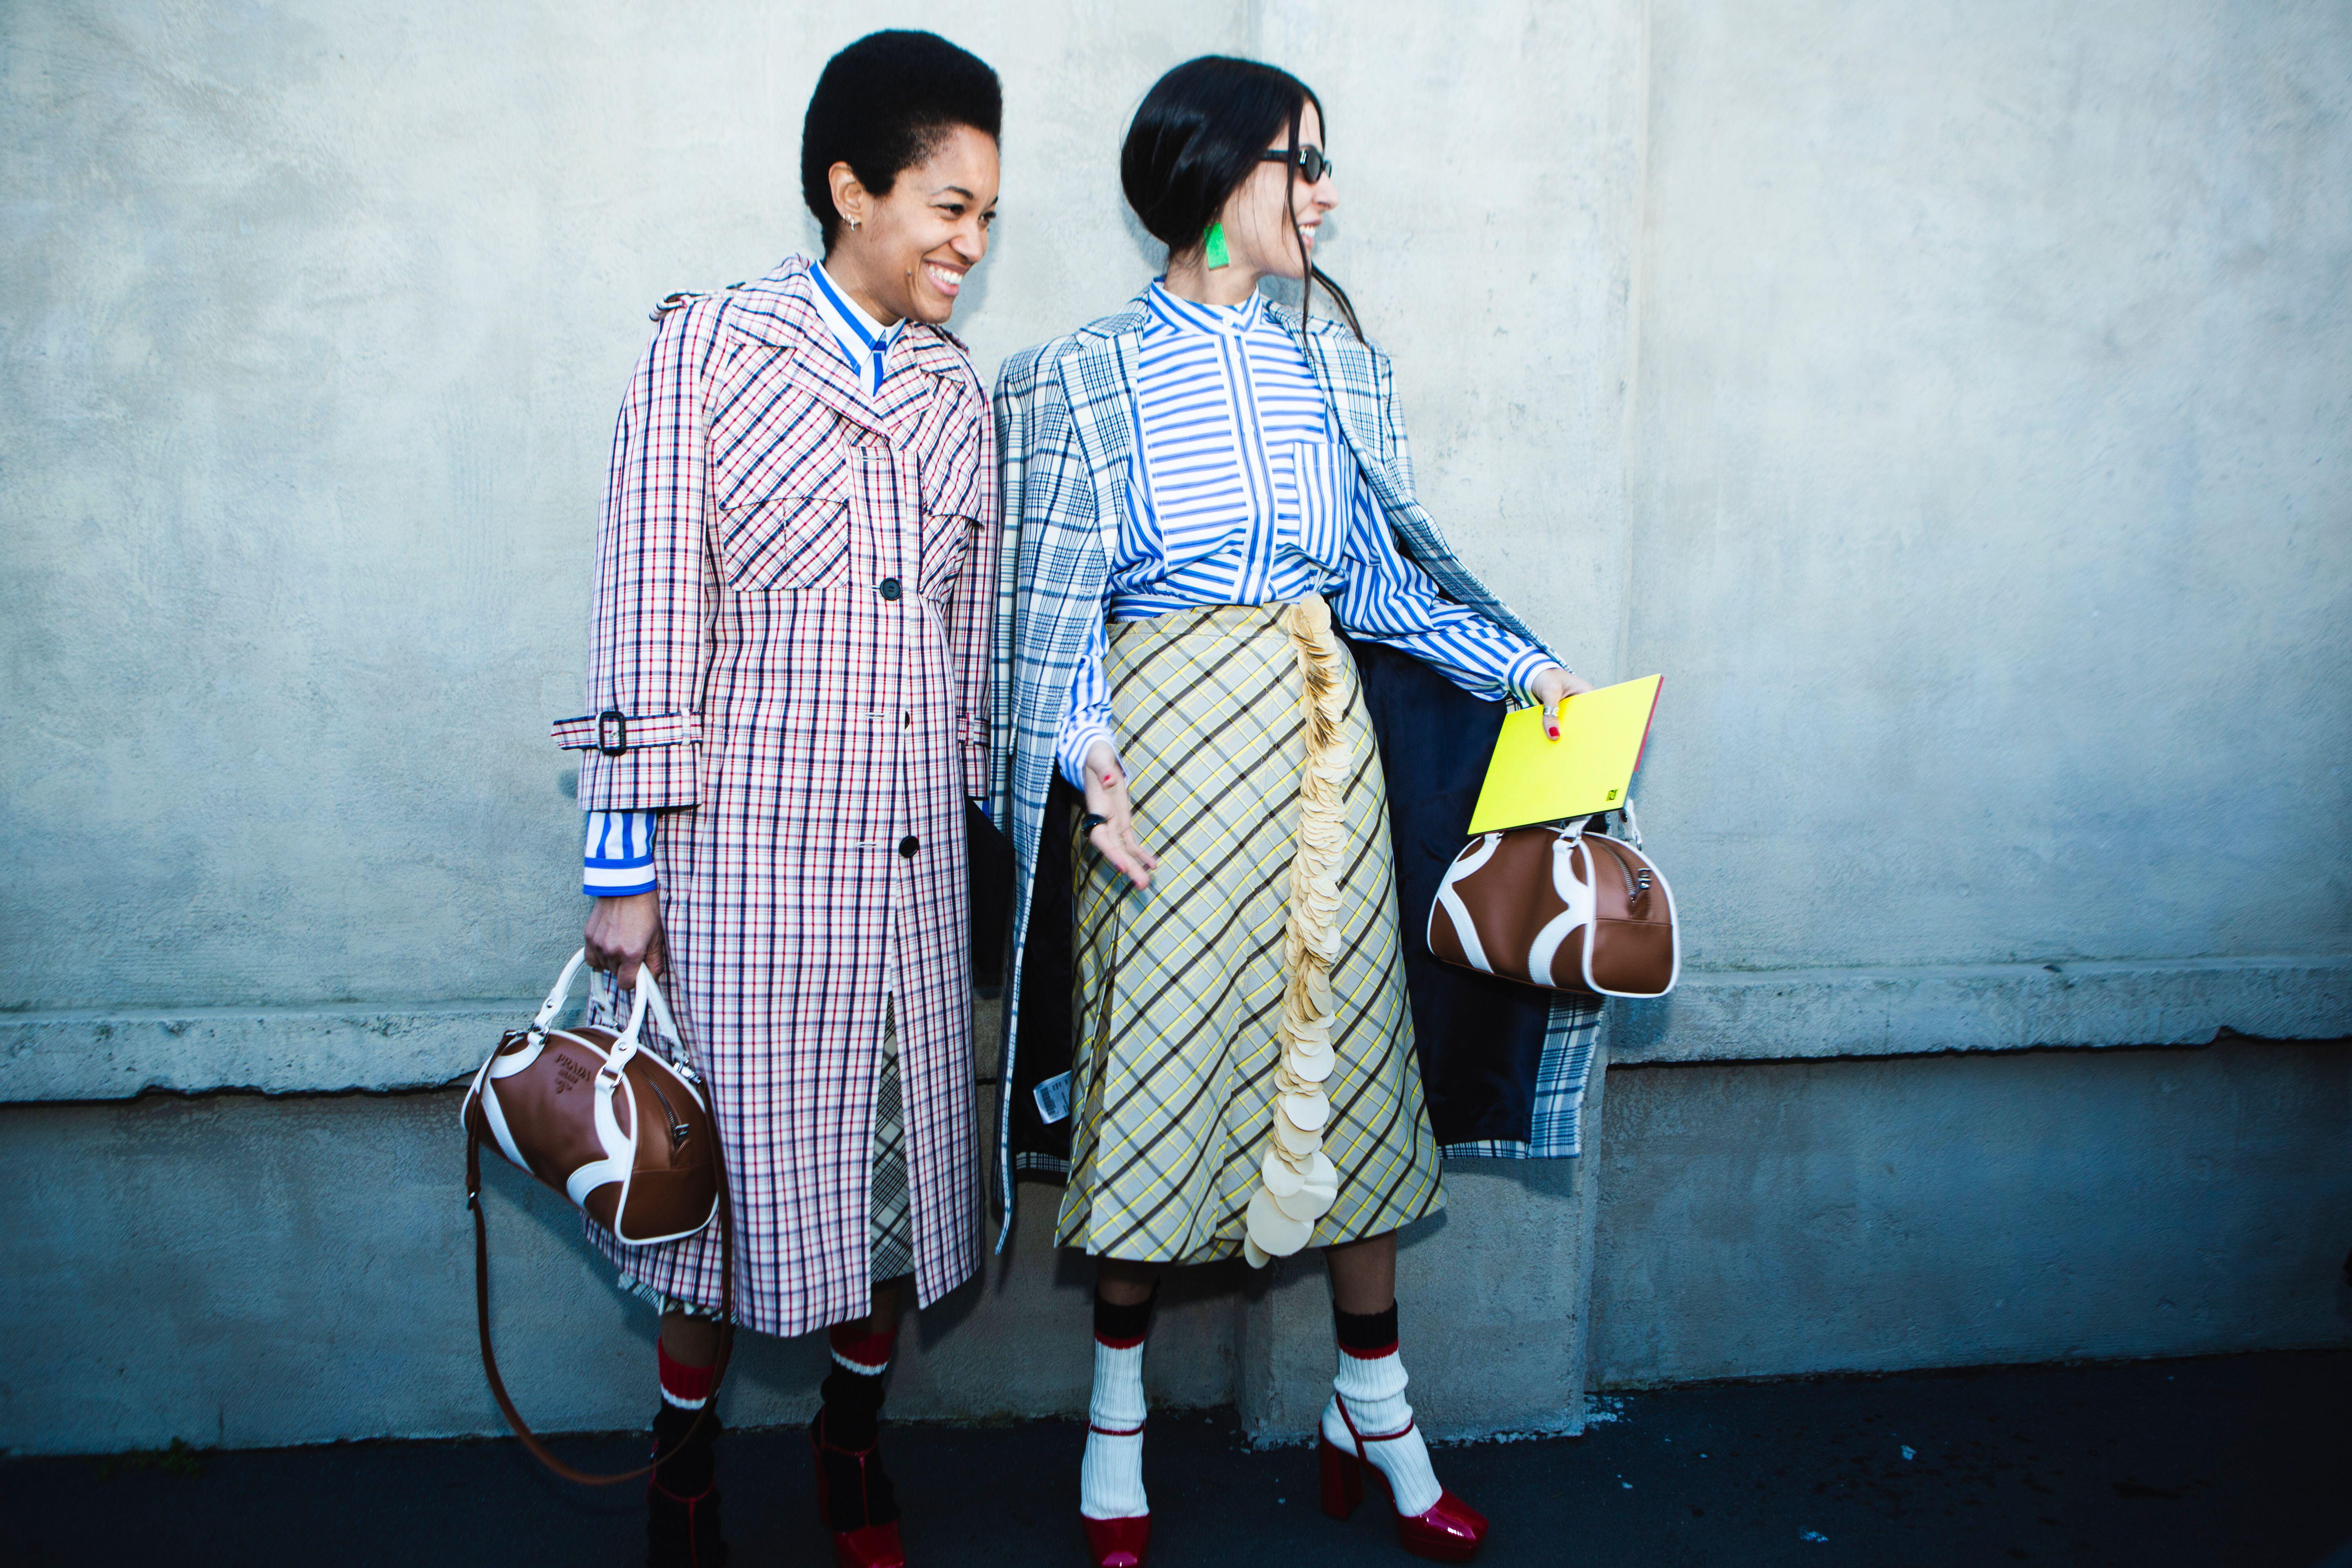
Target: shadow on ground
{"x":2237,"y":1462}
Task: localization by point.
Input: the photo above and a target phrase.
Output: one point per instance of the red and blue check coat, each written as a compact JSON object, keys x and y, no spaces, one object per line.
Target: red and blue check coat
{"x":794,"y":616}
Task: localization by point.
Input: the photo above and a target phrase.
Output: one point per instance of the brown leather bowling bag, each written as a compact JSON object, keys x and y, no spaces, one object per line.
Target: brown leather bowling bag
{"x":617,"y":1128}
{"x":1560,"y":907}
{"x":613,"y":1126}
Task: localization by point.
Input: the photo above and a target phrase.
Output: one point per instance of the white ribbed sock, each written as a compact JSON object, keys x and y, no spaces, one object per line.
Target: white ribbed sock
{"x":1110,"y":1476}
{"x":1374,"y":1390}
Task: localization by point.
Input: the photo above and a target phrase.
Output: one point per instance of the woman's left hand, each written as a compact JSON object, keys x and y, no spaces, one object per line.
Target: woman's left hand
{"x":1552,"y":686}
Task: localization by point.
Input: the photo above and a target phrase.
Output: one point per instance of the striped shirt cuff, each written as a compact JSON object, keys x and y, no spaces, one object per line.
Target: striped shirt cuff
{"x":1076,"y":742}
{"x":1524,"y":670}
{"x":618,"y":860}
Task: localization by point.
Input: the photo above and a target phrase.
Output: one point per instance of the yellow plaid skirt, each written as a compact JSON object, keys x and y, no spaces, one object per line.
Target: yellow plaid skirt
{"x":1180,"y":987}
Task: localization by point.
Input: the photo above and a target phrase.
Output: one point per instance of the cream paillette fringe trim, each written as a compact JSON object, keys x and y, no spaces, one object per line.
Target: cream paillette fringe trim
{"x":1296,"y":1184}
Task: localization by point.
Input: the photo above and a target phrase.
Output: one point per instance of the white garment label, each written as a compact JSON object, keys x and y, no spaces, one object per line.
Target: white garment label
{"x":1052,"y":1097}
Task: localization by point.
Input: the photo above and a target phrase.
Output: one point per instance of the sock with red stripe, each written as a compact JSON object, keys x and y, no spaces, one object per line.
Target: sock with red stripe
{"x":1110,"y":1476}
{"x":1367,"y":1395}
{"x":687,"y":1387}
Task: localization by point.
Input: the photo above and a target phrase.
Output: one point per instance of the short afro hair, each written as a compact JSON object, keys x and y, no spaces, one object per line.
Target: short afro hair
{"x":885,"y":104}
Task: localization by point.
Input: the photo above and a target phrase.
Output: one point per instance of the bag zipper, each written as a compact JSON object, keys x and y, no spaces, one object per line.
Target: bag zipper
{"x":678,"y":1131}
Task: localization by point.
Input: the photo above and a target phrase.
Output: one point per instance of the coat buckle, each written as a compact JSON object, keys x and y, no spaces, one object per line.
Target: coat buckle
{"x":612,"y":731}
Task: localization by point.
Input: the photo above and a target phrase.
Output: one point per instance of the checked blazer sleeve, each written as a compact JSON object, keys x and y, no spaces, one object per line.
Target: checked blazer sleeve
{"x":656,"y":586}
{"x":1009,"y":425}
{"x":1399,"y":453}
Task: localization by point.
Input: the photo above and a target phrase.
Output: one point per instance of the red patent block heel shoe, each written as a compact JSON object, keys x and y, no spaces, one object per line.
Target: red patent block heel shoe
{"x":864,"y":1490}
{"x":1343,"y":1481}
{"x":1449,"y":1531}
{"x":873,"y":1546}
{"x":1119,"y":1543}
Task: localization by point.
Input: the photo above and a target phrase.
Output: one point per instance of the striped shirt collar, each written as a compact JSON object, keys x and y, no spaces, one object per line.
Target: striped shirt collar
{"x":1187,"y":315}
{"x":858,"y":334}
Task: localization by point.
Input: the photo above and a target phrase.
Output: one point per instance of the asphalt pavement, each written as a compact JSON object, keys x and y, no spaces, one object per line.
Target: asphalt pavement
{"x":2238,"y":1462}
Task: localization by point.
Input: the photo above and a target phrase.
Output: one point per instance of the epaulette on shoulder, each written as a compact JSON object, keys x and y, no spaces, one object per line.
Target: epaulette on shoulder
{"x":683,"y":297}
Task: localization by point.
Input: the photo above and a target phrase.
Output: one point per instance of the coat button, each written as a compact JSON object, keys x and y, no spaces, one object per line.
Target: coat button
{"x":889,"y":587}
{"x":909,"y":845}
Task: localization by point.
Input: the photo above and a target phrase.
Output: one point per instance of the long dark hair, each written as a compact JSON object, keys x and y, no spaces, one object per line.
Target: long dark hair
{"x":1200,"y":133}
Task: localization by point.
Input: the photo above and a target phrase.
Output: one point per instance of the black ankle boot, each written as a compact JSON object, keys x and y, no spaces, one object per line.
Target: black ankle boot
{"x":682,"y":1497}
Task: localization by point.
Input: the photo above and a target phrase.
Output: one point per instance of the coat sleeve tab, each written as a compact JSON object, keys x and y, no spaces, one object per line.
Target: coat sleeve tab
{"x":591,"y":732}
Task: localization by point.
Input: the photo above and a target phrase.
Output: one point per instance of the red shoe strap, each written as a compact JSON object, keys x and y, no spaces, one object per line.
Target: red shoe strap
{"x":1341,"y":1401}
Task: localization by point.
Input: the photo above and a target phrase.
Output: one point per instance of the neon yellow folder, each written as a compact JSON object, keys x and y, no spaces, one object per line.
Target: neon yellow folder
{"x":1534,"y":778}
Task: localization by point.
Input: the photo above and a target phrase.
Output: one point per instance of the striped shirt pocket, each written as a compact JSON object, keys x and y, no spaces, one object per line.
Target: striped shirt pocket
{"x":1321,"y":475}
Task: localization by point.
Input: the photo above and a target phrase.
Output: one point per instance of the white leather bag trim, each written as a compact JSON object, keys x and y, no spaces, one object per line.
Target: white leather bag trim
{"x":508,"y":1066}
{"x":649,"y":996}
{"x":620,"y":1155}
{"x":1457,"y":910}
{"x":1579,"y":897}
{"x":498,"y":1121}
{"x":666,"y":1027}
{"x":1658,"y":879}
{"x":620,"y":1161}
{"x":555,"y":997}
{"x":481,"y":1082}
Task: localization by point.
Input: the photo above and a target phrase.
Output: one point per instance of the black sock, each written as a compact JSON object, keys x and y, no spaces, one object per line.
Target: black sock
{"x":1121,"y":1326}
{"x":853,"y":1408}
{"x":690,"y":1466}
{"x":1365,"y":1333}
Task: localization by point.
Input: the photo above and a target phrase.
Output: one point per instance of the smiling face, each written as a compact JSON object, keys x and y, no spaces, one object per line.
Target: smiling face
{"x":1257,"y":216}
{"x":904,"y":255}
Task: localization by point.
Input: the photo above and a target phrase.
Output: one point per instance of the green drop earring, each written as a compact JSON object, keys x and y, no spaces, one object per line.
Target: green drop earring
{"x":1213,"y":248}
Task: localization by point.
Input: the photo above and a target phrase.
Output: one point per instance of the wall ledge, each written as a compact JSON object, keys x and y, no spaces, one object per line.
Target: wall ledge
{"x":97,"y":1055}
{"x":1765,"y":1015}
{"x":1776,"y":1014}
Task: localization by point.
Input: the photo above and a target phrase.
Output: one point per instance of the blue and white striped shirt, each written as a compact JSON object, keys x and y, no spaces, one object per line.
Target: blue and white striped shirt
{"x":619,"y":857}
{"x":1242,"y":490}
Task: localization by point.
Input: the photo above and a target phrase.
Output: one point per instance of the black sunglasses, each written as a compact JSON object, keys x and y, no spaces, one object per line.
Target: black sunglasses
{"x":1311,"y":162}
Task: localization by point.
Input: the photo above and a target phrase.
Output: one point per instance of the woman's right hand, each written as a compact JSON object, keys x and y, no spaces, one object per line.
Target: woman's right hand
{"x":1114,"y":838}
{"x":625,"y":933}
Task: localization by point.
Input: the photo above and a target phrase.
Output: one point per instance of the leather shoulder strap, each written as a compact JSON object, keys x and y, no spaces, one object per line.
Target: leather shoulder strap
{"x":530,"y":1440}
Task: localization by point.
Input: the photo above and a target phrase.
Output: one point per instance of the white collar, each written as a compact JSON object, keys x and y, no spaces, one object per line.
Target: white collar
{"x":857,"y":332}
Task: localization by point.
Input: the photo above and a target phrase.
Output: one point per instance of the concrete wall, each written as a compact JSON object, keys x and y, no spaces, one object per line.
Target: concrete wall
{"x":248,"y":1271}
{"x":319,"y":315}
{"x":1990,"y":455}
{"x":1868,"y":1215}
{"x":1949,"y":401}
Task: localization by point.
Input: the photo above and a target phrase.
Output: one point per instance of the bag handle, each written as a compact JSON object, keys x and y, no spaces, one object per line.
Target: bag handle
{"x":562,"y":988}
{"x":647,"y":992}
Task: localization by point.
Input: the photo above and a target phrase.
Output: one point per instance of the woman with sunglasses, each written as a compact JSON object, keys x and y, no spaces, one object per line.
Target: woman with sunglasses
{"x":1224,"y":482}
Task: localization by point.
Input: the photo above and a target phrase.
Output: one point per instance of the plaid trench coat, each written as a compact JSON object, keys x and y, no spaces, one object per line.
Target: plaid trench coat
{"x":1064,"y":434}
{"x":794,"y":587}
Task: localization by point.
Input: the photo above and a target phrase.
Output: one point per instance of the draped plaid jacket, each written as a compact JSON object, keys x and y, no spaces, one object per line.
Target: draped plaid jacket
{"x":1065,"y":431}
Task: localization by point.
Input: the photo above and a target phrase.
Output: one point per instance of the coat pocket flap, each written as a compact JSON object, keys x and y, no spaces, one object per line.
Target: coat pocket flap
{"x":786,"y":541}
